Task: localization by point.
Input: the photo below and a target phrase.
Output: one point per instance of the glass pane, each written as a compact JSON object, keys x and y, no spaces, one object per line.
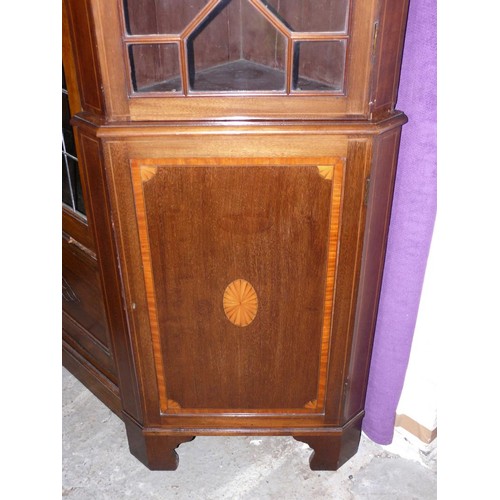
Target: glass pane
{"x":67,"y":129}
{"x":64,"y":86}
{"x":236,"y":46}
{"x":155,"y":67}
{"x":72,"y":194}
{"x":150,"y":17}
{"x":72,"y":186}
{"x":66,"y":113}
{"x":79,"y":204}
{"x":67,"y":193}
{"x":236,"y":49}
{"x":312,"y":15}
{"x":319,"y":66}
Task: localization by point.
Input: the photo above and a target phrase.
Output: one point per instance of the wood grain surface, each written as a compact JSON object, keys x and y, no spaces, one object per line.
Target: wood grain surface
{"x":276,"y":225}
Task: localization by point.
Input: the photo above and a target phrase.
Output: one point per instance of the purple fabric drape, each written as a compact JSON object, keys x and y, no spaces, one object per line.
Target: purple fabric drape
{"x":412,"y":222}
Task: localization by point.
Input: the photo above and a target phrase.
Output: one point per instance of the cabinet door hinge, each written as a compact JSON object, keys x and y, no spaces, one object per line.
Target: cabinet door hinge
{"x":375,"y":35}
{"x":367,"y":190}
{"x":346,"y":392}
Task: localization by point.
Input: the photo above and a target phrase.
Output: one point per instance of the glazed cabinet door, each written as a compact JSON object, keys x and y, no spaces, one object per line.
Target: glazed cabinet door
{"x":202,"y":59}
{"x":230,"y":266}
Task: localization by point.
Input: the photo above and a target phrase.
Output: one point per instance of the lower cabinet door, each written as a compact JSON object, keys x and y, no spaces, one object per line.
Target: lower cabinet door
{"x":238,"y":259}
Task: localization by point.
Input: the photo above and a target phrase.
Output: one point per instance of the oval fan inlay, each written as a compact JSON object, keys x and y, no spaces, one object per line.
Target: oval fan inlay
{"x":240,"y":302}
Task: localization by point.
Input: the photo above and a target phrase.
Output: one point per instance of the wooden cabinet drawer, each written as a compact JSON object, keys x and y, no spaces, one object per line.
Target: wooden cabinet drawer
{"x":84,"y":317}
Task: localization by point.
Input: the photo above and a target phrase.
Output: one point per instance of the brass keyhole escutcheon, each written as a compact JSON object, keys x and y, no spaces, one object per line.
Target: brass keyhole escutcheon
{"x":240,"y":302}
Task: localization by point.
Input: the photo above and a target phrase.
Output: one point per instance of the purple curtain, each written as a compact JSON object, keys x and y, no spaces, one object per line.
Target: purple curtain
{"x":412,"y":222}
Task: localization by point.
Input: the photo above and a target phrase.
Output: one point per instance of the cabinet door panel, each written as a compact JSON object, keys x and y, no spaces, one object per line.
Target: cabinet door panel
{"x":239,"y":266}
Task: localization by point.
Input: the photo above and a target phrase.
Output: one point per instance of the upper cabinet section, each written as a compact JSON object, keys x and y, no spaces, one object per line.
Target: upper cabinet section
{"x":236,"y":46}
{"x":241,"y":59}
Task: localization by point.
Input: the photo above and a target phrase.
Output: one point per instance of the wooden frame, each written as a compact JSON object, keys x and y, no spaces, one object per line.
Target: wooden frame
{"x":109,"y":27}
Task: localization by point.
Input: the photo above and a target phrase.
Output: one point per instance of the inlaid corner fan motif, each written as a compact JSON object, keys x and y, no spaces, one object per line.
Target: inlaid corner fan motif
{"x":278,"y":46}
{"x":326,"y":171}
{"x":240,"y":302}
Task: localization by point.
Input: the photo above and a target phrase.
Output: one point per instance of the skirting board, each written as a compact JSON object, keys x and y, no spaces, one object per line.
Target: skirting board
{"x":418,"y":430}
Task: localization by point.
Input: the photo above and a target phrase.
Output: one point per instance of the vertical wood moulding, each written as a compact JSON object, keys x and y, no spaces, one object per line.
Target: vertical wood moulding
{"x":69,"y":63}
{"x":89,"y":161}
{"x":86,"y":61}
{"x":359,"y":157}
{"x":336,"y":202}
{"x":132,"y":373}
{"x":112,"y":64}
{"x":142,"y":224}
{"x":383,"y":171}
{"x":390,"y":37}
{"x":363,"y":150}
{"x":183,"y":66}
{"x":358,"y":56}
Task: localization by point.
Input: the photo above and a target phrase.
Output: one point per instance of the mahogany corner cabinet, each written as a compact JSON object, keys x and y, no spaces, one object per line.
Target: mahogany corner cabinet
{"x":236,"y":162}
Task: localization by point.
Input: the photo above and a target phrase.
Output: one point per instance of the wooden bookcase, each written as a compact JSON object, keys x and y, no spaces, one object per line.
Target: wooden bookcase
{"x":238,"y":159}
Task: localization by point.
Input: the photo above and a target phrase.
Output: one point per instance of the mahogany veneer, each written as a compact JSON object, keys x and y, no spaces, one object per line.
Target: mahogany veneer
{"x":240,"y":226}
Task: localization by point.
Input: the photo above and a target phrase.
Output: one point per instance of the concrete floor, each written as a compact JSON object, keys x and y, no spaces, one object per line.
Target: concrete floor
{"x":97,"y":464}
